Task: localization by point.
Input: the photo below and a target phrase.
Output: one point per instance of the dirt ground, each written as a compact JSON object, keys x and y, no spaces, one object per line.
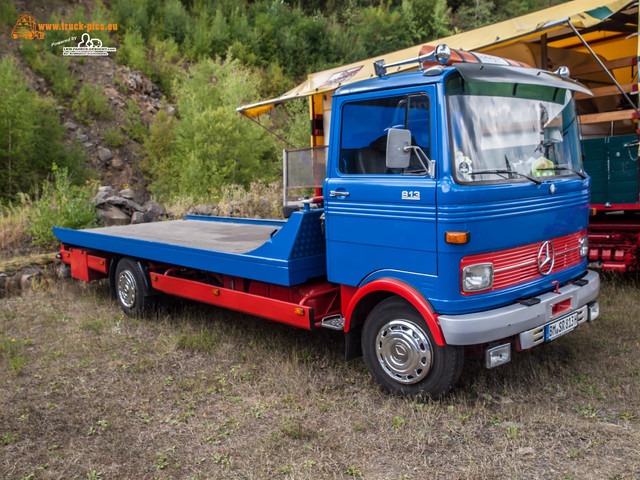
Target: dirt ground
{"x":201,"y":393}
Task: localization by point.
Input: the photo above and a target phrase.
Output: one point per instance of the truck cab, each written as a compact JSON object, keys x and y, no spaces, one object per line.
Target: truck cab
{"x":485,"y":222}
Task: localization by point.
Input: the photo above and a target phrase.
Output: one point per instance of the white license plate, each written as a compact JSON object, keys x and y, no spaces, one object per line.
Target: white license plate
{"x":561,"y":326}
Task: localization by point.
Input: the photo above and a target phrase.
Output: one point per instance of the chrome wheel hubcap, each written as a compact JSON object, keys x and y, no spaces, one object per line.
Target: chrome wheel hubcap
{"x":127,"y":289}
{"x":404,"y":351}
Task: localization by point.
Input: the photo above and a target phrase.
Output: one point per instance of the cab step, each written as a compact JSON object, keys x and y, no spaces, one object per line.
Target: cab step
{"x":334,"y":322}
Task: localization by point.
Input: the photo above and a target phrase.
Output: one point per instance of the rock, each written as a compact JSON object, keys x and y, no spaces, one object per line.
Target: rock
{"x":112,"y":215}
{"x":88,"y":145}
{"x":137,"y":217}
{"x":116,"y":163}
{"x":203,"y":210}
{"x":82,"y":137}
{"x":26,"y":280}
{"x":117,"y":201}
{"x":105,"y":191}
{"x":171,"y":110}
{"x":125,"y":204}
{"x":154,"y":207}
{"x":104,"y":154}
{"x":148,"y":217}
{"x":69,"y":125}
{"x":99,"y":202}
{"x":126,"y":193}
{"x":134,"y":207}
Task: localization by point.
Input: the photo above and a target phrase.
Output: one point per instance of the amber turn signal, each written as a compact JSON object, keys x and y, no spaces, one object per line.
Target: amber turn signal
{"x":299,"y":311}
{"x":457,"y":237}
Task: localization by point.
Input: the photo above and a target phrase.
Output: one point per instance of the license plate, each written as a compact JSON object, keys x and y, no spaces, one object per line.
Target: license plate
{"x":561,"y":326}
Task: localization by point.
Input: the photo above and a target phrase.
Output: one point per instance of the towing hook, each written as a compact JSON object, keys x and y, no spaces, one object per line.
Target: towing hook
{"x":557,"y":284}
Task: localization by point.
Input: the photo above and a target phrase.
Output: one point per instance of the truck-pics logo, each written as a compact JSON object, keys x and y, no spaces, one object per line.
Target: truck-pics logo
{"x":88,"y":47}
{"x":26,"y":27}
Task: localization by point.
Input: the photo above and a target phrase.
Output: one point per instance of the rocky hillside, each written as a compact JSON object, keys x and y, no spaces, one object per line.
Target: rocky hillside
{"x":112,"y":145}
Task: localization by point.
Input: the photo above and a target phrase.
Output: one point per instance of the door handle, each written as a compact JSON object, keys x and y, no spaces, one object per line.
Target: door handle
{"x":333,"y":193}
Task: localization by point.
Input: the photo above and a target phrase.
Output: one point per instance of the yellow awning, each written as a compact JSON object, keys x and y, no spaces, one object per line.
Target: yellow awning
{"x":581,"y":13}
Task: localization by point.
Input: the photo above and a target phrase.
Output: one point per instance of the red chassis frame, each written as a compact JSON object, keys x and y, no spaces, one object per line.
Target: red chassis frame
{"x":297,"y":306}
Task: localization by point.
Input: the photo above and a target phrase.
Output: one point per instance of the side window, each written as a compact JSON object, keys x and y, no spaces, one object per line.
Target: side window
{"x":363,"y":139}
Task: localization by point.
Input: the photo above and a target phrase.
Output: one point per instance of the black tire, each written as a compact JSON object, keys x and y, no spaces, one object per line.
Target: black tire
{"x":131,"y":289}
{"x":401,"y":354}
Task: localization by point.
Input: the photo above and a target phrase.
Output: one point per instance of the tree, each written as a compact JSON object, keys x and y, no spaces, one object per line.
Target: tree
{"x":31,"y":136}
{"x":210,"y":146}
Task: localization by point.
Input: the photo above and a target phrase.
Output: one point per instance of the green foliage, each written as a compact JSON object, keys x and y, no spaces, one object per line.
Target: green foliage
{"x":132,"y":15}
{"x":163,"y":67}
{"x":134,"y":127}
{"x":100,"y":14}
{"x":476,"y":13}
{"x":159,"y":62}
{"x":55,"y":69}
{"x":90,"y":104}
{"x":211,"y":145}
{"x":431,"y":19}
{"x":132,"y":50}
{"x":159,"y":146}
{"x":61,"y":205}
{"x":113,"y":137}
{"x":175,"y":20}
{"x":296,"y":129}
{"x":31,"y":135}
{"x":382,"y":29}
{"x":8,"y":13}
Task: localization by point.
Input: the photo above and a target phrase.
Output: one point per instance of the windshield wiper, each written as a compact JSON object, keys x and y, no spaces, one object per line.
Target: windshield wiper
{"x":580,"y":174}
{"x":505,"y":172}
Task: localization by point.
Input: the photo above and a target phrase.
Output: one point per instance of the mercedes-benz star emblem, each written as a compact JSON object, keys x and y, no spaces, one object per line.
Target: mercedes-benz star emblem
{"x":546,"y":258}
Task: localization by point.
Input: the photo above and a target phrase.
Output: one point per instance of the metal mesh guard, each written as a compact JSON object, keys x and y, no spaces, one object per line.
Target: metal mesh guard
{"x":306,"y":167}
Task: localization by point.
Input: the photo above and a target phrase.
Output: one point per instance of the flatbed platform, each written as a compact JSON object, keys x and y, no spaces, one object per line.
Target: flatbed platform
{"x":219,"y":236}
{"x":275,"y":251}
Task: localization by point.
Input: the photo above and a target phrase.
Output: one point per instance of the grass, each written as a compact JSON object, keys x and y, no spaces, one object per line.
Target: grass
{"x":13,"y":226}
{"x":199,"y":392}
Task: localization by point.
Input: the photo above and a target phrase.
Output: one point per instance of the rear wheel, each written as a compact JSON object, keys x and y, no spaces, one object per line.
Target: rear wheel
{"x":401,"y":354}
{"x":131,"y":289}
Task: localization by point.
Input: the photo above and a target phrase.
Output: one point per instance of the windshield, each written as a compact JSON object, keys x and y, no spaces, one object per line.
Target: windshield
{"x":505,"y":132}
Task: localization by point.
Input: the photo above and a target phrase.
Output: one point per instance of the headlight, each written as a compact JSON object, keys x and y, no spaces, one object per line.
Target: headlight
{"x":476,"y":278}
{"x":584,"y":246}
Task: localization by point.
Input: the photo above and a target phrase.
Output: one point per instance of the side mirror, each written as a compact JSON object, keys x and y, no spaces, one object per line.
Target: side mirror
{"x":398,"y":148}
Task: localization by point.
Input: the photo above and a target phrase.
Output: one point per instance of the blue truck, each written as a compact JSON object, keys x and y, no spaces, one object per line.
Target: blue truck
{"x":452,"y":221}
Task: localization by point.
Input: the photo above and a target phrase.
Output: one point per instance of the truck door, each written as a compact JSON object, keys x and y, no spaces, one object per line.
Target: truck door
{"x":380,"y":221}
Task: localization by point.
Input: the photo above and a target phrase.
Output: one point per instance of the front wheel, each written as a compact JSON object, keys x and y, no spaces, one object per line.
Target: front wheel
{"x":131,"y":290}
{"x":401,"y":354}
